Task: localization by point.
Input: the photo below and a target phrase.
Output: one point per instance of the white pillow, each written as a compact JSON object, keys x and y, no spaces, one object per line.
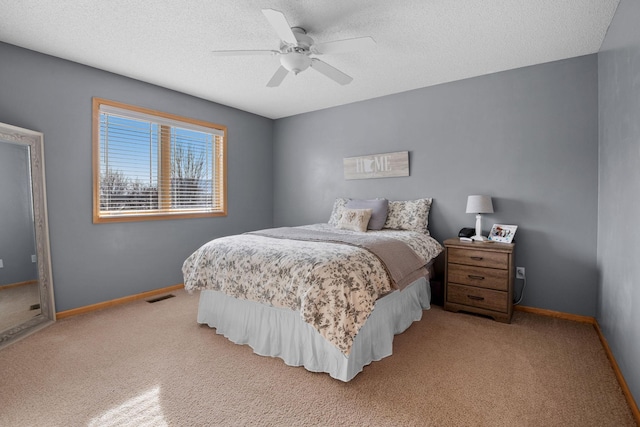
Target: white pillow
{"x":355,"y":219}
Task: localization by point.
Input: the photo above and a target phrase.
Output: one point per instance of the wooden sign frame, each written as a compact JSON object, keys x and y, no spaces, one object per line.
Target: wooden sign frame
{"x":386,"y":165}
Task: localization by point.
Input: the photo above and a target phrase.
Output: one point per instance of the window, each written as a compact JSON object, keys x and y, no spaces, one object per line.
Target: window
{"x":153,"y":165}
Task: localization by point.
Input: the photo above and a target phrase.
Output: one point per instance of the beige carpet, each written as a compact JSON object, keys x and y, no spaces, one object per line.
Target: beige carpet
{"x":145,"y":364}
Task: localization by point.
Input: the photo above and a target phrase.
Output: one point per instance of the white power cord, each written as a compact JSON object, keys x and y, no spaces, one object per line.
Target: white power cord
{"x":524,"y":285}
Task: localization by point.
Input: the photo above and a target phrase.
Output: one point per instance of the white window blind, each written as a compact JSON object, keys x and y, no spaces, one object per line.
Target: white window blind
{"x":153,"y":164}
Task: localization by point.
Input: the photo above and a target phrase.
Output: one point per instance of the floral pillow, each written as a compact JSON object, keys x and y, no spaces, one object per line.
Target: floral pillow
{"x":410,"y":215}
{"x":336,"y":213}
{"x":355,"y":219}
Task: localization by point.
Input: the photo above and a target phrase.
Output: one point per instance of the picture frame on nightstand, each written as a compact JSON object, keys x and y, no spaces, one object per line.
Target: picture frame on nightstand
{"x":502,"y":233}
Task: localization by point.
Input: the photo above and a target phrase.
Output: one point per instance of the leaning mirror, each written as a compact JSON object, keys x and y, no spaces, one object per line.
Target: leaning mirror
{"x":26,"y":287}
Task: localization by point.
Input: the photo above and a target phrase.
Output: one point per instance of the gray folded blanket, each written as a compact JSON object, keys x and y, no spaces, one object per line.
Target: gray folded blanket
{"x":401,"y":262}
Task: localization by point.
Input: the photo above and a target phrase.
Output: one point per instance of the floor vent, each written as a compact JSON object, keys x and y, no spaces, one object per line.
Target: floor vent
{"x":162,"y":298}
{"x":34,"y":307}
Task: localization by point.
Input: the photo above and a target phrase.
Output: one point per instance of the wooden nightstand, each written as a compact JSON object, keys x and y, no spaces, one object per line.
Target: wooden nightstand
{"x":479,"y":278}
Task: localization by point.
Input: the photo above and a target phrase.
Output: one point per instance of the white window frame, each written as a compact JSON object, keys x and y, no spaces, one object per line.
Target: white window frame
{"x":216,"y":201}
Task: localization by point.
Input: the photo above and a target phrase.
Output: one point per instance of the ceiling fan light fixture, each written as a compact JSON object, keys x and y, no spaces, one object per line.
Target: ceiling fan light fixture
{"x":296,"y":48}
{"x":295,"y":62}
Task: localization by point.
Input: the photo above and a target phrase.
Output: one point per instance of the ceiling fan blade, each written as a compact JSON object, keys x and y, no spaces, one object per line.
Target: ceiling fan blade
{"x":331,"y":72}
{"x":278,"y":77}
{"x":279,"y":22}
{"x":347,"y":45}
{"x":243,"y":52}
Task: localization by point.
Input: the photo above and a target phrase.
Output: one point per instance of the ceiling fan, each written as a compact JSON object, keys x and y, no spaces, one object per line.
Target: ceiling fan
{"x":296,"y":48}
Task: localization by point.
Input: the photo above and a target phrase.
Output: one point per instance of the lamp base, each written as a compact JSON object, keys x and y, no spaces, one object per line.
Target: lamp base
{"x":479,"y":237}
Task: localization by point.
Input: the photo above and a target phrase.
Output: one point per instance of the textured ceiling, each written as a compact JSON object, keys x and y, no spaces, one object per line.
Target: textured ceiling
{"x":419,"y":42}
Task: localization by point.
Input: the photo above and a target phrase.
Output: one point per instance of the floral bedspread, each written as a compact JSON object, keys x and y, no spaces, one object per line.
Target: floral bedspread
{"x":333,"y":286}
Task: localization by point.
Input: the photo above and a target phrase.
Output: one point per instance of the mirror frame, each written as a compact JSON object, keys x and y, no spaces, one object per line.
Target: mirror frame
{"x":34,"y":140}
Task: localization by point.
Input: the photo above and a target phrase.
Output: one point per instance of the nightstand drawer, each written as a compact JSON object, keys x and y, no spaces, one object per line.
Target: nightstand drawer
{"x":478,"y":297}
{"x":481,"y":258}
{"x":483,"y":277}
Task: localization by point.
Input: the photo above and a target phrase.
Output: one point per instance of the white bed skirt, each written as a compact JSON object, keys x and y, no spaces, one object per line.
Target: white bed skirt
{"x":281,"y":332}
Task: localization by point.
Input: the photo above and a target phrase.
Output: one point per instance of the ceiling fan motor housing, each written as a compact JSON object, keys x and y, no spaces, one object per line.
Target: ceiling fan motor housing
{"x":296,"y":58}
{"x":304,"y":41}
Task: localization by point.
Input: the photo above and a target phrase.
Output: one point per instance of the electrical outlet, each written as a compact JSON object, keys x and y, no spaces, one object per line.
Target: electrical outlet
{"x":1,"y":264}
{"x":34,"y":258}
{"x":520,"y":273}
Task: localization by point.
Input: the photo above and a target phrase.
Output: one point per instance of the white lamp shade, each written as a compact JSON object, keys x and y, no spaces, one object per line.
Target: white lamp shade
{"x":479,"y":204}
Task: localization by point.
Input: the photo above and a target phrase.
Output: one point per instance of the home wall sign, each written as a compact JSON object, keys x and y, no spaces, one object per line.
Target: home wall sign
{"x":385,"y":165}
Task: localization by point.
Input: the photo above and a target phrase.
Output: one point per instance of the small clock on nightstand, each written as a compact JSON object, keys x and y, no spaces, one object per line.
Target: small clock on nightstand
{"x":479,"y":278}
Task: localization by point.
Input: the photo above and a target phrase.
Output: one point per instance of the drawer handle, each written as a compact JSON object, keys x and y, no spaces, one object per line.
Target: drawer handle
{"x":476,"y":258}
{"x":476,"y":298}
{"x":471,"y":276}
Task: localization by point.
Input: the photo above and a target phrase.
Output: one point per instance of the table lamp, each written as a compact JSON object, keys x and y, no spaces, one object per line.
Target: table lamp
{"x":479,"y":205}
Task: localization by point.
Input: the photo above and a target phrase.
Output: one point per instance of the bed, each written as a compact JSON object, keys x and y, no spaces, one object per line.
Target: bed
{"x":329,"y":297}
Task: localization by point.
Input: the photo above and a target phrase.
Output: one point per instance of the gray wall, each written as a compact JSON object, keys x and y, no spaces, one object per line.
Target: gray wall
{"x":527,"y":137}
{"x":619,"y":205}
{"x":98,"y":262}
{"x":16,"y":217}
